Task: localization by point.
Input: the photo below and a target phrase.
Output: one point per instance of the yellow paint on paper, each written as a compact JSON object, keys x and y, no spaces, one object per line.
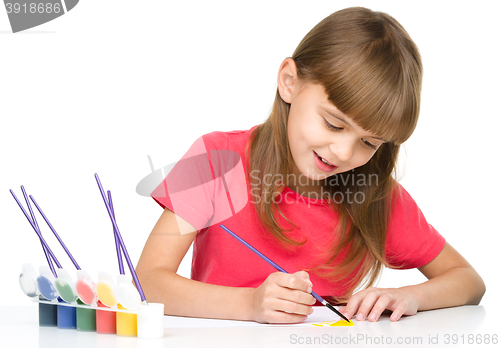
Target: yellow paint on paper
{"x":335,"y":323}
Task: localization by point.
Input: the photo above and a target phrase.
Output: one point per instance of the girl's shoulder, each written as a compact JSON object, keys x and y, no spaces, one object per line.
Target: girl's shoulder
{"x":411,"y":241}
{"x":400,"y":196}
{"x":232,"y":140}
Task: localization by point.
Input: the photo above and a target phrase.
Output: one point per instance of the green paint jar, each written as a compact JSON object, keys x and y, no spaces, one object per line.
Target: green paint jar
{"x":85,"y":317}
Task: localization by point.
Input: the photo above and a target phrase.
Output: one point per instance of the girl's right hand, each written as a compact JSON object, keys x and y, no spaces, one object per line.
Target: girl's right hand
{"x":283,"y":298}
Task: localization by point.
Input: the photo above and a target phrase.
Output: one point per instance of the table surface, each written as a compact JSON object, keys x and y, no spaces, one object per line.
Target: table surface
{"x":467,"y":326}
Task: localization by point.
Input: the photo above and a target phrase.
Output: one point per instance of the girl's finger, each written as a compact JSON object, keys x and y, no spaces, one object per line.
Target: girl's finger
{"x":398,"y":311}
{"x":297,"y":296}
{"x":367,"y":304}
{"x":302,"y":274}
{"x":381,"y":304}
{"x":293,"y":307}
{"x":352,"y":305}
{"x":291,"y":281}
{"x":279,"y":317}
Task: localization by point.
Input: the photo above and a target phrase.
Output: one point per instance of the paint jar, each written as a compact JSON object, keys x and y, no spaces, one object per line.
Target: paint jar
{"x":46,"y":283}
{"x":105,"y":320}
{"x":85,"y":288}
{"x":47,"y":312}
{"x":27,"y":281}
{"x":126,"y":323}
{"x":150,"y":320}
{"x":65,"y":286}
{"x":66,"y":316}
{"x":85,"y":317}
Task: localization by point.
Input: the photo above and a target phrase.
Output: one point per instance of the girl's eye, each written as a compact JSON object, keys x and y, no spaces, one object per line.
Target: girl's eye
{"x":331,"y":126}
{"x":368,"y":144}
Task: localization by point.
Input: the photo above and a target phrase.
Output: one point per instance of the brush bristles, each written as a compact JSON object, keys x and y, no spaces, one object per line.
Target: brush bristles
{"x":336,"y":311}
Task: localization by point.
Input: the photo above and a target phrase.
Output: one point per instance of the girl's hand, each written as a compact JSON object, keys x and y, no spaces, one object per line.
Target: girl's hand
{"x":370,"y":303}
{"x":283,"y":298}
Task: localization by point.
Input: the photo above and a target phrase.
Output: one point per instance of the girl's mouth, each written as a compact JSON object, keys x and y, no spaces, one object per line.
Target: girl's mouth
{"x":323,"y":164}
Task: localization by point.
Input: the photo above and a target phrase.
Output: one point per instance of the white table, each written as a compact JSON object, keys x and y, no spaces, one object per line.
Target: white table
{"x":460,"y":327}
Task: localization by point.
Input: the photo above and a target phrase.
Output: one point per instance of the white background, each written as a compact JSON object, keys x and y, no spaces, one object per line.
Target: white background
{"x":110,"y":82}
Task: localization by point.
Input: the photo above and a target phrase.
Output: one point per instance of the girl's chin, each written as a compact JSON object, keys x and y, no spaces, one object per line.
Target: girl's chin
{"x":312,"y":177}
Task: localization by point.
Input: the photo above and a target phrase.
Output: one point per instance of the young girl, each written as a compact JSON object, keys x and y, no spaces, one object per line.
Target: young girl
{"x":312,"y":188}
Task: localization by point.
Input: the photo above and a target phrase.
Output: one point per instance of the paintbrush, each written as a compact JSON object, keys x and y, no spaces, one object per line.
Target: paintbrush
{"x":265,"y":258}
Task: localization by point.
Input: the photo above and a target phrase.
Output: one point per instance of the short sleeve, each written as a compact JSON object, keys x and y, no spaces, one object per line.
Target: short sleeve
{"x":411,"y":241}
{"x":187,"y":189}
{"x":207,"y":185}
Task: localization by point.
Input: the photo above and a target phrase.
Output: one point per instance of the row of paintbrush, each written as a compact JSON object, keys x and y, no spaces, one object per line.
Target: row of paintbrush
{"x":53,"y":283}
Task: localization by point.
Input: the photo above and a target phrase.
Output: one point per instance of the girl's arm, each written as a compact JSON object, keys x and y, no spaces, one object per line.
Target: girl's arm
{"x":160,"y":259}
{"x":452,"y":282}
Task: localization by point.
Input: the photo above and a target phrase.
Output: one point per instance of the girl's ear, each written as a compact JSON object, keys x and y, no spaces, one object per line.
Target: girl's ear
{"x":287,"y":77}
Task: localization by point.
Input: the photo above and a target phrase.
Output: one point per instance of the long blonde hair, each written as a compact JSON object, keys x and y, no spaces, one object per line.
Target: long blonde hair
{"x":371,"y":71}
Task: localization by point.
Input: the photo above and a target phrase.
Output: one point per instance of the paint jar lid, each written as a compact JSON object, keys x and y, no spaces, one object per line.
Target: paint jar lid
{"x":85,"y":287}
{"x":27,"y":281}
{"x":126,"y":293}
{"x":66,"y":286}
{"x":46,"y":283}
{"x":106,"y":289}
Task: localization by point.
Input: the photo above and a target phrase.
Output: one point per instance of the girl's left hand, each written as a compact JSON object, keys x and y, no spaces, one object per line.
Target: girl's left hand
{"x":370,"y":303}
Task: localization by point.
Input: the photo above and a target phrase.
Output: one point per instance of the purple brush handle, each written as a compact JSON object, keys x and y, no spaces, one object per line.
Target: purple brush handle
{"x":117,"y":242}
{"x":122,"y":244}
{"x":315,"y":295}
{"x":38,"y":229}
{"x":55,"y":233}
{"x":45,"y":247}
{"x":33,"y":218}
{"x":265,"y":258}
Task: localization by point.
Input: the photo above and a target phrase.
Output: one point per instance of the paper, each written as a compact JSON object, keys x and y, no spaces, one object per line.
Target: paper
{"x":322,"y":316}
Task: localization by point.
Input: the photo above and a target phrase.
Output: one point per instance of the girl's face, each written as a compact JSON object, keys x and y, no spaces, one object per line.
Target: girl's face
{"x":318,"y":132}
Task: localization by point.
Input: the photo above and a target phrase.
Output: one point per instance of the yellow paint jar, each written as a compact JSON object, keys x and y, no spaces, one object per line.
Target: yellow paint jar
{"x":126,"y":323}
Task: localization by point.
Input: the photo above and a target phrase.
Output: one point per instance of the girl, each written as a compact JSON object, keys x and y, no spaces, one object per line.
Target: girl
{"x":313,"y":189}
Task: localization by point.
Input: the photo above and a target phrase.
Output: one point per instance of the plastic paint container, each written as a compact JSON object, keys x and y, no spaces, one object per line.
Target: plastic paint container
{"x":46,"y":283}
{"x":150,"y":320}
{"x":126,"y":323}
{"x":105,"y":320}
{"x":66,"y":316}
{"x":85,"y":288}
{"x":65,"y":286}
{"x":106,"y":289}
{"x":47,"y":312}
{"x":85,"y":318}
{"x":126,"y":293}
{"x":27,"y":281}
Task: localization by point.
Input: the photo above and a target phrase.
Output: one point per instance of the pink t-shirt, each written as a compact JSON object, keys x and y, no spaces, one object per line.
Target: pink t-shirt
{"x":207,"y":187}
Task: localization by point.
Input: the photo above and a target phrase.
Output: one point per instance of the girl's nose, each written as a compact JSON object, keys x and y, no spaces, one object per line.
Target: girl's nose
{"x":343,"y":150}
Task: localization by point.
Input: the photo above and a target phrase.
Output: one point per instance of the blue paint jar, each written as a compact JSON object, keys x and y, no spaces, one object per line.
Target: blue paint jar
{"x":66,"y":316}
{"x":47,"y":312}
